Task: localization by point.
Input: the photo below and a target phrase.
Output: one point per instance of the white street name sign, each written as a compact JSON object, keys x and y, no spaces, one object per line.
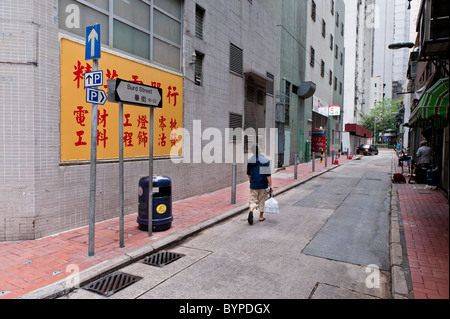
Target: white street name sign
{"x":138,"y":94}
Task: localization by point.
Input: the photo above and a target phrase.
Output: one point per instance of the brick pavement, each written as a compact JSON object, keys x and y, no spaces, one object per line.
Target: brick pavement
{"x":28,"y":265}
{"x":425,"y":217}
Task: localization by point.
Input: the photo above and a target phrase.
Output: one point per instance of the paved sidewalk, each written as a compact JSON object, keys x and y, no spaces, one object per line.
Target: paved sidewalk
{"x":27,"y":266}
{"x":425,"y":218}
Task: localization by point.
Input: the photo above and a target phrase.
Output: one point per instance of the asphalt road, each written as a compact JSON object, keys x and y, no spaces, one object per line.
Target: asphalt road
{"x":329,"y":241}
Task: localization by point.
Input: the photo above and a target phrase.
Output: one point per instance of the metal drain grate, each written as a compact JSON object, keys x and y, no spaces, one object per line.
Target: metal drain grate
{"x":112,"y":283}
{"x":162,"y":258}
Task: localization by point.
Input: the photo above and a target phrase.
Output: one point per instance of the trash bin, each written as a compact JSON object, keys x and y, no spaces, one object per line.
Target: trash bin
{"x":432,"y":176}
{"x":162,"y":203}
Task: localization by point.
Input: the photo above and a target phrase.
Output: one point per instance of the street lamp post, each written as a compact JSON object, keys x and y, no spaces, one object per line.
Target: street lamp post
{"x":374,"y":131}
{"x":400,"y":45}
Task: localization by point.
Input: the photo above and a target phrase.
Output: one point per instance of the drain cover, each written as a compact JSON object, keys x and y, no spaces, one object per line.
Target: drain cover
{"x":162,"y":258}
{"x":112,"y":283}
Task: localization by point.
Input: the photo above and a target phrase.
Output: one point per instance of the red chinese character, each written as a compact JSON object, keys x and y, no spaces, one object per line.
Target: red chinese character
{"x":135,"y":79}
{"x":156,"y":84}
{"x":142,"y":120}
{"x":79,"y":115}
{"x":173,"y":124}
{"x":128,"y":139}
{"x":161,"y":123}
{"x":127,"y":120}
{"x":143,"y":138}
{"x":101,"y":137}
{"x":172,"y":94}
{"x":162,"y":139}
{"x":88,"y":68}
{"x":79,"y":73}
{"x":102,"y":118}
{"x":110,"y":76}
{"x":173,"y":138}
{"x":80,"y":137}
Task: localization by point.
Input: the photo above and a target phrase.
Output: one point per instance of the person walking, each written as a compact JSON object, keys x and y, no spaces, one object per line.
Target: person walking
{"x":259,"y":176}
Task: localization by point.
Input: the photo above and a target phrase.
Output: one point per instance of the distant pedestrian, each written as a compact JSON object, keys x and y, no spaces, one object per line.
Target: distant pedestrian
{"x":259,"y":176}
{"x":424,"y":154}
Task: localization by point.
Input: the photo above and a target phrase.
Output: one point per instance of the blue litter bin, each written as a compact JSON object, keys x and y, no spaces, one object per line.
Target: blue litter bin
{"x":432,"y":176}
{"x":162,"y":203}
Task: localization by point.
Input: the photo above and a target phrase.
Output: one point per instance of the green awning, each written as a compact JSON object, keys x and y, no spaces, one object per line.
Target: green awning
{"x":433,"y":106}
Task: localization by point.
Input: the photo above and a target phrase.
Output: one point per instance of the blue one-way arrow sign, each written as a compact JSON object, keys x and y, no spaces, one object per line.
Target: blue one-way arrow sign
{"x":93,"y":43}
{"x":95,"y":96}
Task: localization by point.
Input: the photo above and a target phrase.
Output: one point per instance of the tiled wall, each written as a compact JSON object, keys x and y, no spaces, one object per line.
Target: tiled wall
{"x":40,"y":197}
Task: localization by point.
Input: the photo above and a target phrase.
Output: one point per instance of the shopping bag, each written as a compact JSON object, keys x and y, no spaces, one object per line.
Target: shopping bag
{"x":271,"y":206}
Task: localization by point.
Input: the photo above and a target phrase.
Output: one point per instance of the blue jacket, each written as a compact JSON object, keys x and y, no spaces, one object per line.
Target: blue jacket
{"x":258,"y":168}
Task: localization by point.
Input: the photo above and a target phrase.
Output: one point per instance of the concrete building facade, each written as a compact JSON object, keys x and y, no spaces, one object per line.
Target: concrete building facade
{"x":310,"y":76}
{"x":213,"y":61}
{"x":362,"y":15}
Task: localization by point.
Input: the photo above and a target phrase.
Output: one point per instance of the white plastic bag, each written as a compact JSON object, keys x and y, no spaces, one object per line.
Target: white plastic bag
{"x":271,"y":206}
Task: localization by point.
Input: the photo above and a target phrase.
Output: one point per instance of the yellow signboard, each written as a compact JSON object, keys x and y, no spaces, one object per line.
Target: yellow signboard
{"x":76,"y":113}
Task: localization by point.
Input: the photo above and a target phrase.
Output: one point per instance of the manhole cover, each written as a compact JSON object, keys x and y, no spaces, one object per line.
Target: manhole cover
{"x":112,"y":283}
{"x":162,"y":258}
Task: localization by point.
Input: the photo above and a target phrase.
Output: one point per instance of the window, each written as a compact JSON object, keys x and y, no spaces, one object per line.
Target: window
{"x":128,"y":39}
{"x":250,"y":93}
{"x":287,"y":102}
{"x":332,"y":7}
{"x":199,"y":18}
{"x":330,"y":80}
{"x":151,"y":30}
{"x":133,"y":11}
{"x":336,"y":50}
{"x":342,"y":58}
{"x":322,"y":68}
{"x":324,"y":28}
{"x":331,"y":42}
{"x":313,"y":11}
{"x":236,"y":60}
{"x":312,"y":58}
{"x":260,"y":97}
{"x":199,"y":68}
{"x":342,"y":29}
{"x":340,"y":88}
{"x":75,"y":17}
{"x":270,"y":85}
{"x":337,"y":19}
{"x":235,"y":123}
{"x":335,"y":84}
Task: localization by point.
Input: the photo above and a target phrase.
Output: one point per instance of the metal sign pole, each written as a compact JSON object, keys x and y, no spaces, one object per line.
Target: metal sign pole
{"x":295,"y":166}
{"x":123,"y":91}
{"x":93,"y":172}
{"x":121,"y":187}
{"x":150,"y":175}
{"x":233,"y":184}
